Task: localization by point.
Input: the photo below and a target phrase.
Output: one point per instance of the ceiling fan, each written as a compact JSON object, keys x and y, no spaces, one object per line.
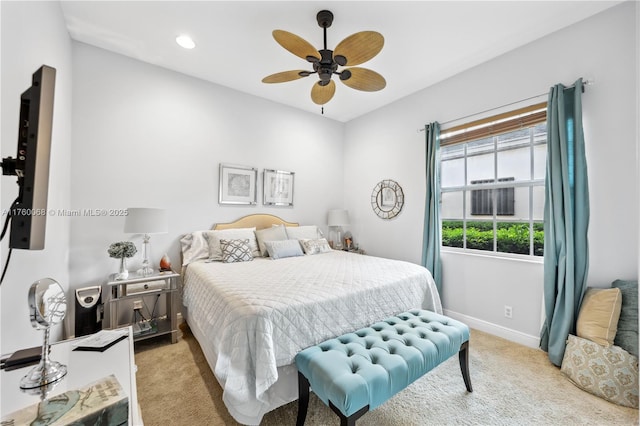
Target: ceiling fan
{"x":353,"y":50}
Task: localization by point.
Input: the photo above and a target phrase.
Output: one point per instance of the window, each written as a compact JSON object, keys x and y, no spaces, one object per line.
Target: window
{"x":482,"y":199}
{"x":492,"y":184}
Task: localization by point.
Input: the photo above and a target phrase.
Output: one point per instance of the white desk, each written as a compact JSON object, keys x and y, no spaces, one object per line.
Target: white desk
{"x":83,"y":367}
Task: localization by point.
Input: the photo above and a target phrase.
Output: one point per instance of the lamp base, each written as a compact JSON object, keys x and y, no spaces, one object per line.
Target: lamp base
{"x":145,"y":271}
{"x":338,"y":244}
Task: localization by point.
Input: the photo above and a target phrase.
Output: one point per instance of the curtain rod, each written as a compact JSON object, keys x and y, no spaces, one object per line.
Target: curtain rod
{"x":584,"y":83}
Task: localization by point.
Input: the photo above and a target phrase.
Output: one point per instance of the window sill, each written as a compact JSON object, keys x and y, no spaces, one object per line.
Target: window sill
{"x":493,"y":255}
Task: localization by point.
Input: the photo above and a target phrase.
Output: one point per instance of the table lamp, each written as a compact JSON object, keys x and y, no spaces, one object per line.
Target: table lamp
{"x":146,"y":221}
{"x":336,"y":219}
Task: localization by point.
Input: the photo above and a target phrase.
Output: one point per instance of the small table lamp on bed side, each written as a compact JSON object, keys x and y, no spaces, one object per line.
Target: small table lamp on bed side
{"x":336,"y":219}
{"x":146,"y":221}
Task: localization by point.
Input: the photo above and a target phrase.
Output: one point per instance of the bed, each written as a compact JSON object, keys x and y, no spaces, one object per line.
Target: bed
{"x":251,"y":318}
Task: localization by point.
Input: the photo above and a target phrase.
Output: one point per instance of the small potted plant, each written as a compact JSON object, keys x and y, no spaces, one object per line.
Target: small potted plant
{"x":122,"y":250}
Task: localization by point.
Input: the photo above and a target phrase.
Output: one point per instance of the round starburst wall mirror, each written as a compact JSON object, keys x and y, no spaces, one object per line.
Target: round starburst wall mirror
{"x":387,"y":199}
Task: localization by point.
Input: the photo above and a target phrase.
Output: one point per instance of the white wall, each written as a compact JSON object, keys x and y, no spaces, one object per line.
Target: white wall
{"x":386,"y":144}
{"x":33,"y":34}
{"x":145,"y":136}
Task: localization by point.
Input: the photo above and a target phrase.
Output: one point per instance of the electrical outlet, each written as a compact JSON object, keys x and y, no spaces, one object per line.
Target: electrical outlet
{"x":137,"y":304}
{"x":508,"y":311}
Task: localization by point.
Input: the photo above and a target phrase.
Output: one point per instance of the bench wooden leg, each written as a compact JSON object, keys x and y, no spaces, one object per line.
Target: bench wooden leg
{"x":351,"y":420}
{"x":463,"y":355}
{"x":303,"y":399}
{"x":303,"y":405}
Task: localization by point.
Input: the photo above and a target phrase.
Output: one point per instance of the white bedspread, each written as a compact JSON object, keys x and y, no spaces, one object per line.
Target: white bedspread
{"x":258,"y":315}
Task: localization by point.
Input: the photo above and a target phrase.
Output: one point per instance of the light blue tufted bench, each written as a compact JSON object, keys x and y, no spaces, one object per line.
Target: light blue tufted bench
{"x":359,"y":371}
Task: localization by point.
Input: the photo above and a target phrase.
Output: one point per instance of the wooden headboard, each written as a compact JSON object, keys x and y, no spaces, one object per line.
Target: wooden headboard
{"x":260,"y":221}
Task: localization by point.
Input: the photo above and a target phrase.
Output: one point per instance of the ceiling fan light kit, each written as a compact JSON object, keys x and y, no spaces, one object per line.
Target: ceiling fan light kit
{"x":353,"y":50}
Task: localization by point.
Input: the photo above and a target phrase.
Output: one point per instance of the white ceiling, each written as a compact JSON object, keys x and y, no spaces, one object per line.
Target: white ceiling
{"x":425,"y":41}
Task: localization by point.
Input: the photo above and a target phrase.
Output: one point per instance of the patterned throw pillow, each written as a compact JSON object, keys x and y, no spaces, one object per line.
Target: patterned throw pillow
{"x":610,"y":373}
{"x":235,"y":251}
{"x":315,"y":246}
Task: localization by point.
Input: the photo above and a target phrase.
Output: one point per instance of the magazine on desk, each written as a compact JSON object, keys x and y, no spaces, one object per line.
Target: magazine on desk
{"x":101,"y":341}
{"x":102,"y":402}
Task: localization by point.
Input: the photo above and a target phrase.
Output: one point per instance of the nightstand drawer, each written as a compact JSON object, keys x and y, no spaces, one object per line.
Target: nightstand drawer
{"x":147,"y":287}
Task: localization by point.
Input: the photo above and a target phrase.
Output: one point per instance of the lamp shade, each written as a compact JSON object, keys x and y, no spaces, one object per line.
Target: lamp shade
{"x":338,"y":218}
{"x":145,"y":221}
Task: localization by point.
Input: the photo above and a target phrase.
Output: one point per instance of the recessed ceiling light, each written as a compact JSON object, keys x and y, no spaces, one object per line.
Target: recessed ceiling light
{"x":185,"y":41}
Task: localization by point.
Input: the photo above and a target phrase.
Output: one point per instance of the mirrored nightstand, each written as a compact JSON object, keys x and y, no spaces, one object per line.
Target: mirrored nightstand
{"x":136,"y":288}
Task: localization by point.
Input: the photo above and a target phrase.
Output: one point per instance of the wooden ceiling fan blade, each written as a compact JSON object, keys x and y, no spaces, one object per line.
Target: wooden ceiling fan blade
{"x":296,"y":45}
{"x":360,"y":47}
{"x":282,"y":77}
{"x":365,"y":79}
{"x":323,"y":94}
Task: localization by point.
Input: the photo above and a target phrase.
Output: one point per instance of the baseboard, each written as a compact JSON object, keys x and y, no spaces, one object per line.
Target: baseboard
{"x":497,"y":330}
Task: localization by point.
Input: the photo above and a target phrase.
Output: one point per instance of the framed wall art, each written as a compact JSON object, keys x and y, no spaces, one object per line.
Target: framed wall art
{"x":238,"y":184}
{"x":277,"y":188}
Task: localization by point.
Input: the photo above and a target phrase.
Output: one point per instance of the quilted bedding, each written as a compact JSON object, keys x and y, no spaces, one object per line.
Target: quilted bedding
{"x":258,"y":315}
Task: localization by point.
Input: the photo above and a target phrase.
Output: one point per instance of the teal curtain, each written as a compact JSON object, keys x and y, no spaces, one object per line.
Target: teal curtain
{"x":431,"y":230}
{"x":566,"y":219}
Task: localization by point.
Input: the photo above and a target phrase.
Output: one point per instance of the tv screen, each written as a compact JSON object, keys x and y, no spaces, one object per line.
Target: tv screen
{"x":31,"y":165}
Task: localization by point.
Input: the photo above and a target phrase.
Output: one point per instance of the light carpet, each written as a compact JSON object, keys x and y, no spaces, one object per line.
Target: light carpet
{"x":512,"y":385}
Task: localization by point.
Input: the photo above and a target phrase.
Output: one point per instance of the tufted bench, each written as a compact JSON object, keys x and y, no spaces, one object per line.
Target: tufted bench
{"x":359,"y":371}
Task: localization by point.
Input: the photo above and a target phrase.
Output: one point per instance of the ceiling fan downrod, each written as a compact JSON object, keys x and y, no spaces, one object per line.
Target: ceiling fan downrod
{"x":325,"y":19}
{"x":328,"y":64}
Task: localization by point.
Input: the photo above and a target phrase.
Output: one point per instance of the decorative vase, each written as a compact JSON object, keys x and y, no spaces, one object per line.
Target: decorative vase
{"x":123,"y":274}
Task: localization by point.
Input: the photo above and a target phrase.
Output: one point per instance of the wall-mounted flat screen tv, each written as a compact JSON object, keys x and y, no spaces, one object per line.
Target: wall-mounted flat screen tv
{"x":31,"y":165}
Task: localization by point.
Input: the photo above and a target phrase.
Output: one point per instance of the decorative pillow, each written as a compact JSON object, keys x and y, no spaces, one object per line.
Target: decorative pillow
{"x":194,"y":247}
{"x":214,"y":237}
{"x":276,"y":233}
{"x":610,"y":373}
{"x":283,"y":248}
{"x":627,"y":334}
{"x":308,"y":232}
{"x":599,"y":314}
{"x":235,"y":251}
{"x":315,"y":246}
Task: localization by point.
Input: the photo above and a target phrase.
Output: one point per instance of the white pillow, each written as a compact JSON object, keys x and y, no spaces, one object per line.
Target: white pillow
{"x":194,"y":247}
{"x":308,"y":232}
{"x":214,"y":237}
{"x":276,"y":233}
{"x":283,"y":248}
{"x":315,"y":246}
